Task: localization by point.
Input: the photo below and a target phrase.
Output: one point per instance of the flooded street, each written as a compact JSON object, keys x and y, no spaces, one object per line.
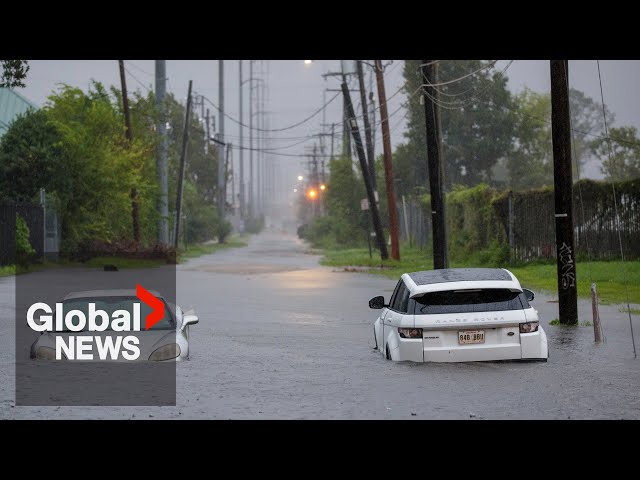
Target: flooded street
{"x":281,"y":337}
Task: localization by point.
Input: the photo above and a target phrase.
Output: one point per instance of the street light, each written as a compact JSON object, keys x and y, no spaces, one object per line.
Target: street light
{"x":308,"y":62}
{"x":323,"y":187}
{"x":312,"y":194}
{"x":295,"y":190}
{"x":300,"y":178}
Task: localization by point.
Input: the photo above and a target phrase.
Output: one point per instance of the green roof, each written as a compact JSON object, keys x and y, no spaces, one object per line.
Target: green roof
{"x":12,"y":104}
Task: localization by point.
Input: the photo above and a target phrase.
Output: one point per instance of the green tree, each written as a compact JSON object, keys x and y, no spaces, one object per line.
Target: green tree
{"x":31,"y":155}
{"x":624,"y":161}
{"x":530,"y":165}
{"x":477,"y":122}
{"x":14,"y":72}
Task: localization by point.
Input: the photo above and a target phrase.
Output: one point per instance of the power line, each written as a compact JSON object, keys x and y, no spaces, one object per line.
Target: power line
{"x":448,"y":82}
{"x":446,"y":94}
{"x":615,"y":205}
{"x":137,"y":80}
{"x":274,"y":129}
{"x":139,"y":69}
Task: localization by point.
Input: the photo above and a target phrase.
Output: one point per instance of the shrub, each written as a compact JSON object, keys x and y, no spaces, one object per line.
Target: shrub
{"x":24,"y":250}
{"x":223,"y":229}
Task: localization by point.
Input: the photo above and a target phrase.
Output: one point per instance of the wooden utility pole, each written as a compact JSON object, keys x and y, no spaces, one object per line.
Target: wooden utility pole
{"x":208,"y":134}
{"x":388,"y":166}
{"x":129,"y":135}
{"x":373,"y":205}
{"x":183,"y":161}
{"x":436,"y":171}
{"x":367,"y":127}
{"x":563,"y":188}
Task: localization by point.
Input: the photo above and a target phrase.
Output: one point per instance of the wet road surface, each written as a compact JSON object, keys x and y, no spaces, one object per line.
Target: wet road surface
{"x":281,"y":337}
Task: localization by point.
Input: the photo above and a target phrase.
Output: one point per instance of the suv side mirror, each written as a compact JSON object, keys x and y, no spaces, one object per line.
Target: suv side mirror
{"x":528,"y":294}
{"x":377,"y":302}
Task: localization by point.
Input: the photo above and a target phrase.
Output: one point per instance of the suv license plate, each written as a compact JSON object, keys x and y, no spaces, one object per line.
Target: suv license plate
{"x":470,"y":336}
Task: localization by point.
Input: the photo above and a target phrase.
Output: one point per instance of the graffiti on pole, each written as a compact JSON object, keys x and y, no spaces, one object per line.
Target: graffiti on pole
{"x":568,"y":274}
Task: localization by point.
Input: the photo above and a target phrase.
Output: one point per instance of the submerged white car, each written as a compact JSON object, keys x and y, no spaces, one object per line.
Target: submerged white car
{"x":459,"y":315}
{"x":167,"y":340}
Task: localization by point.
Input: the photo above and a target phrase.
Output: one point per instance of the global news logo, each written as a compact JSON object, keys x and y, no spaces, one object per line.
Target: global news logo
{"x":70,"y":327}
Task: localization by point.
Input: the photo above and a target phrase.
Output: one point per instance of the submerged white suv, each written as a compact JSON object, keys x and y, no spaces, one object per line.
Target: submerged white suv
{"x":459,"y":315}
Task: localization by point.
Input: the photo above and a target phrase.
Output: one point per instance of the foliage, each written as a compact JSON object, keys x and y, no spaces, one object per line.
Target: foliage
{"x":24,"y":250}
{"x":75,"y":148}
{"x":477,"y":127}
{"x":624,"y":161}
{"x":471,"y":221}
{"x":222,"y":230}
{"x":530,"y":165}
{"x":31,"y":154}
{"x":14,"y":72}
{"x":344,"y":224}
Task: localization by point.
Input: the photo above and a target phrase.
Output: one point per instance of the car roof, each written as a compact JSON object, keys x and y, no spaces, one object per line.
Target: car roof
{"x":129,"y":292}
{"x":440,"y":280}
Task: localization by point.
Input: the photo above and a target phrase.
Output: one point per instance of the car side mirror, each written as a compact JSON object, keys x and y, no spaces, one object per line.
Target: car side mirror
{"x":528,"y":294}
{"x":377,"y":302}
{"x":189,"y":320}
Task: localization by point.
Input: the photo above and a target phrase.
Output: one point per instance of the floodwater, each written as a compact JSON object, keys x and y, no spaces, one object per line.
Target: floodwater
{"x":281,"y":337}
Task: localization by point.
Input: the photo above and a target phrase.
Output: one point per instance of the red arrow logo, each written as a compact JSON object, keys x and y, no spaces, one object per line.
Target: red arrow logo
{"x":152,"y":301}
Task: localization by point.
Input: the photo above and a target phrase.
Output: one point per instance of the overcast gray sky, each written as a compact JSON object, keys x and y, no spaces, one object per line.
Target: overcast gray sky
{"x":296,"y":90}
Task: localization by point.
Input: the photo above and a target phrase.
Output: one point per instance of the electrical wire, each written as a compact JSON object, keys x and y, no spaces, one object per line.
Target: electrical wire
{"x":446,"y":94}
{"x":455,"y":80}
{"x":273,"y":129}
{"x":615,"y":205}
{"x":139,"y":69}
{"x":137,"y":80}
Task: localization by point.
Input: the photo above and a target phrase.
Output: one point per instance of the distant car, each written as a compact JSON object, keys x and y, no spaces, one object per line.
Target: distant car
{"x":459,"y":315}
{"x":167,"y":340}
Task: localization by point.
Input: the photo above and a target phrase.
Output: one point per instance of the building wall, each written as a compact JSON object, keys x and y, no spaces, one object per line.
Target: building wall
{"x":12,"y":104}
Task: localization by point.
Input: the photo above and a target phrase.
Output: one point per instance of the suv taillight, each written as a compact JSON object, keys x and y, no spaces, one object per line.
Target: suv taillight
{"x":529,"y":327}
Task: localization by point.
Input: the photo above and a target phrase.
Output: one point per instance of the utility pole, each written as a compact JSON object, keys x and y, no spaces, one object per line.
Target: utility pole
{"x":367,"y":127}
{"x":135,"y":217}
{"x":228,"y":169}
{"x":125,"y":103}
{"x":563,"y":188}
{"x":206,"y":143}
{"x":373,"y":205}
{"x":162,"y":162}
{"x":242,"y":212}
{"x":258,"y":112}
{"x":333,"y":133}
{"x":251,"y":139}
{"x":388,"y":166}
{"x":183,"y":161}
{"x":436,"y":174}
{"x":222,"y":181}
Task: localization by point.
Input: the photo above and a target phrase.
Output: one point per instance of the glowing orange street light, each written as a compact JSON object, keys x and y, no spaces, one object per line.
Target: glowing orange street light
{"x":322,"y":187}
{"x":312,"y":194}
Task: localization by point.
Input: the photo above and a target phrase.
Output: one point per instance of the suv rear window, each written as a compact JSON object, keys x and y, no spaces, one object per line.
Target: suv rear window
{"x":466,"y":301}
